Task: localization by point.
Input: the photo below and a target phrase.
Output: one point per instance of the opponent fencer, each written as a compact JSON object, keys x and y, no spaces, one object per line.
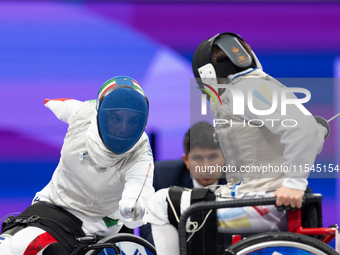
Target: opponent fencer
{"x":249,"y":141}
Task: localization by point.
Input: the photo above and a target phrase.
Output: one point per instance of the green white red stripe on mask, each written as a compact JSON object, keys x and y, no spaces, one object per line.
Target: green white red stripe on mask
{"x":138,"y":87}
{"x":111,"y":83}
{"x":107,"y":85}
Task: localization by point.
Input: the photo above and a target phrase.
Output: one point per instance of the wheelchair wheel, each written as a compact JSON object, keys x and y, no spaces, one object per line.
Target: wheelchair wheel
{"x":128,"y":244}
{"x":280,"y":243}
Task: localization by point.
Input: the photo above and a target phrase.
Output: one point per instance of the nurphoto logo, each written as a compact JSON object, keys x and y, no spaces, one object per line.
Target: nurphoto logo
{"x":277,"y":100}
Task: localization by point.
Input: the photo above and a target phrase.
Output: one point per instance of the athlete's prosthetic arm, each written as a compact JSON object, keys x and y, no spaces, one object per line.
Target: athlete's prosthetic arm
{"x":63,"y":108}
{"x":302,"y":142}
{"x":137,"y":192}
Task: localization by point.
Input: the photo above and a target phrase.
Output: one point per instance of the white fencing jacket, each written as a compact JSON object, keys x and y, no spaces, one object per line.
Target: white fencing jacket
{"x":90,"y":179}
{"x":264,"y":141}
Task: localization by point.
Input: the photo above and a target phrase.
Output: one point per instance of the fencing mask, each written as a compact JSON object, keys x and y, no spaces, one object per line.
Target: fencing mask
{"x":122,"y":113}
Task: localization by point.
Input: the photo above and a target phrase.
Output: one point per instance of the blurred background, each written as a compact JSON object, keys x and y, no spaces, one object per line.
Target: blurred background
{"x":53,"y":49}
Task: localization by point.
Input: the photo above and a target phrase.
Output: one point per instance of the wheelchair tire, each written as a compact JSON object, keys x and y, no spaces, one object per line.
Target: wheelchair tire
{"x":280,"y":242}
{"x":125,"y":238}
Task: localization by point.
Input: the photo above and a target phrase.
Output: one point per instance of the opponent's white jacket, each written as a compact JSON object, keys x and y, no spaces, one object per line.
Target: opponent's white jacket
{"x":91,"y":181}
{"x":261,"y":141}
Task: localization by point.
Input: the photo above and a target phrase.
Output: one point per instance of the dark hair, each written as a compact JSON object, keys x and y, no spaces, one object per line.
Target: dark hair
{"x":200,"y":135}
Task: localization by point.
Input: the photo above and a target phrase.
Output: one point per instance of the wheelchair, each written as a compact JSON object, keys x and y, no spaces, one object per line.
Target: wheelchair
{"x":118,"y":244}
{"x":297,"y":241}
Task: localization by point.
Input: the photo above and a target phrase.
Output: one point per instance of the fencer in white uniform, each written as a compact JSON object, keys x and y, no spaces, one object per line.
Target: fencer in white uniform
{"x":260,"y":151}
{"x":104,"y":162}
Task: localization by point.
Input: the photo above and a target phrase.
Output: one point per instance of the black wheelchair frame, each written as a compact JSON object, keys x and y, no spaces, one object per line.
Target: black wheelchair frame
{"x":110,"y":242}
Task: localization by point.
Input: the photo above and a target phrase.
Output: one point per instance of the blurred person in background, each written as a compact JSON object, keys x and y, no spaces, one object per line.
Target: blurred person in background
{"x":200,"y":151}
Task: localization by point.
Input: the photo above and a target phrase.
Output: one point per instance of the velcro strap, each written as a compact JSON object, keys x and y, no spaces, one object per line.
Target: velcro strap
{"x":55,"y":213}
{"x":175,"y":195}
{"x":61,"y":224}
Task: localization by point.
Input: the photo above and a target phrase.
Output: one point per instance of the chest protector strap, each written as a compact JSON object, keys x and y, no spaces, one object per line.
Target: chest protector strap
{"x":175,"y":195}
{"x":204,"y":241}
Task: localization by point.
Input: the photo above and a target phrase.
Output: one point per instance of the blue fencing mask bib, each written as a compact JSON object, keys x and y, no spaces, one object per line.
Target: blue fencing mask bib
{"x":122,"y":113}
